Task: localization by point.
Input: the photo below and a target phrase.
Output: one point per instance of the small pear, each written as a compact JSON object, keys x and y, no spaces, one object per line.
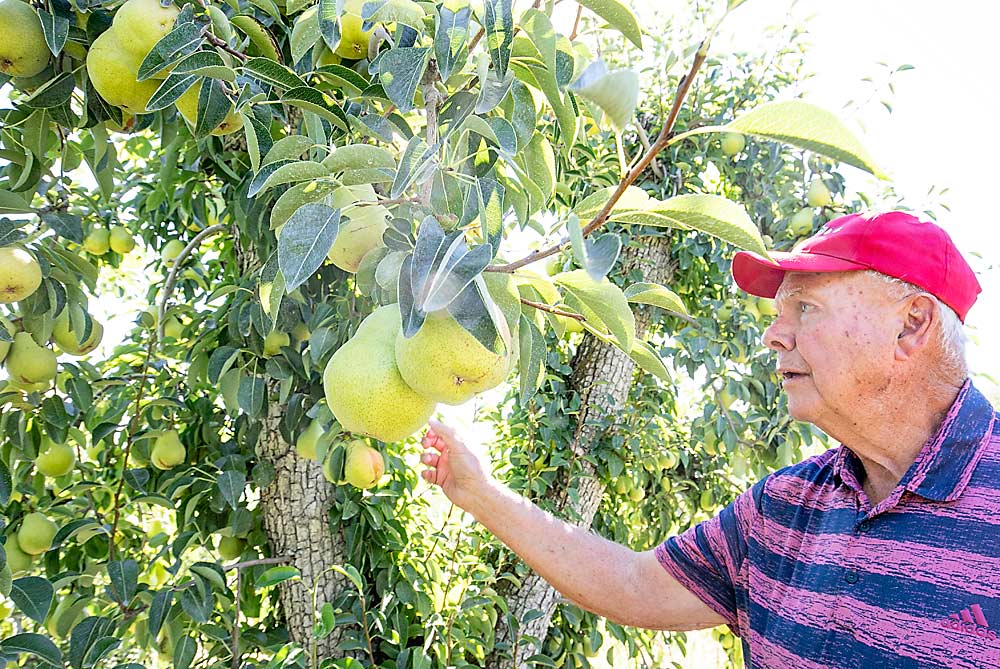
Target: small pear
{"x":818,"y":194}
{"x":36,"y":534}
{"x":171,"y":250}
{"x":361,"y":232}
{"x":97,"y":241}
{"x":20,"y":273}
{"x":28,"y":362}
{"x":121,"y":240}
{"x":363,"y":466}
{"x":274,"y":341}
{"x":17,"y":559}
{"x":733,"y":143}
{"x":140,"y":24}
{"x":168,"y":451}
{"x":56,"y":459}
{"x":231,"y":548}
{"x":23,"y":52}
{"x":305,"y":445}
{"x":173,"y":328}
{"x":187,"y":105}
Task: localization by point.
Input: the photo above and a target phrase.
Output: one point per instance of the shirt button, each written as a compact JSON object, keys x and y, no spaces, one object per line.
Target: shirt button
{"x":864,"y":526}
{"x":851,"y":577}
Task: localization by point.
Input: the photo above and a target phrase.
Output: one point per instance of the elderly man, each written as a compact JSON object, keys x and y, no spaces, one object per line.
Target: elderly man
{"x":881,"y":553}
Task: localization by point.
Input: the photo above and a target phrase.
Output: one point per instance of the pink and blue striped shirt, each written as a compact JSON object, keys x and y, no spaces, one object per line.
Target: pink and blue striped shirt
{"x":810,"y":576}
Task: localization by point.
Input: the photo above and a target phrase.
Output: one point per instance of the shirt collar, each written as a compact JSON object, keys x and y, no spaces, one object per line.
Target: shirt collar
{"x":942,"y":469}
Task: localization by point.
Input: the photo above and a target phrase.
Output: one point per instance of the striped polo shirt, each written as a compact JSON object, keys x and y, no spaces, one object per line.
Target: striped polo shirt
{"x":810,"y":576}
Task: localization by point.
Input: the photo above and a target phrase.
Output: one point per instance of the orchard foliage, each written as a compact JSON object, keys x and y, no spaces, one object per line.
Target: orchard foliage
{"x":295,"y":167}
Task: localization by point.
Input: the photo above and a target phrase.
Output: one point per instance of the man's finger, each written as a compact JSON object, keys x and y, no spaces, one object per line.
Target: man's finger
{"x":430,"y":458}
{"x":431,"y":440}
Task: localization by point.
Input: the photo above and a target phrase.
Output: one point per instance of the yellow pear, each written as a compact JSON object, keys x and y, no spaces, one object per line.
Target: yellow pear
{"x":801,"y":223}
{"x":20,"y":274}
{"x":17,"y":559}
{"x":818,"y":194}
{"x":305,"y":445}
{"x":445,"y":363}
{"x":363,"y":387}
{"x":733,"y":143}
{"x":140,"y":24}
{"x":28,"y":362}
{"x":68,"y":342}
{"x":36,"y":534}
{"x":353,"y":39}
{"x":187,"y":105}
{"x":56,"y":459}
{"x":231,"y":548}
{"x":171,"y":250}
{"x":23,"y":52}
{"x":121,"y":240}
{"x":274,"y":341}
{"x":359,"y":234}
{"x":363,"y":465}
{"x":168,"y":451}
{"x":113,"y":71}
{"x":98,"y":241}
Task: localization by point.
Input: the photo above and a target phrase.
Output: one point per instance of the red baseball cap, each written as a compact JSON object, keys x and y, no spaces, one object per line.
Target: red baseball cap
{"x":894,"y":243}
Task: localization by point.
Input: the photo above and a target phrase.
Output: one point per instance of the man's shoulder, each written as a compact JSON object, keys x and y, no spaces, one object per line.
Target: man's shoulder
{"x":810,"y":470}
{"x":811,"y":479}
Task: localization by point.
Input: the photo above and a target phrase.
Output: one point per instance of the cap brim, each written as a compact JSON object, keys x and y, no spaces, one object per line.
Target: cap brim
{"x":761,"y":277}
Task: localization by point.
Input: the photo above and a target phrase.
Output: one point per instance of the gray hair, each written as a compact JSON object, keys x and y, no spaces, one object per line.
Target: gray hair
{"x":950,"y":335}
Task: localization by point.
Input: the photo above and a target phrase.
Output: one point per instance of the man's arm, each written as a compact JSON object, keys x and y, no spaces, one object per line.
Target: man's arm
{"x":601,"y":576}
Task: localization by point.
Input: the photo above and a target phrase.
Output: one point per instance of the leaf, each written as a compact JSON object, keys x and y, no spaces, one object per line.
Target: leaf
{"x":809,"y":127}
{"x":305,"y":32}
{"x":596,"y":256}
{"x":457,"y":268}
{"x":12,"y":203}
{"x":231,"y":485}
{"x":261,"y":40}
{"x":531,"y":364}
{"x":310,"y":99}
{"x":489,"y":195}
{"x":53,"y":93}
{"x":656,"y":295}
{"x":6,"y":485}
{"x":449,"y":41}
{"x":406,"y":12}
{"x":415,"y":166}
{"x":33,"y":644}
{"x":182,"y":40}
{"x":55,"y":28}
{"x":220,"y":361}
{"x":207,"y":64}
{"x":290,"y":173}
{"x":158,"y":611}
{"x":352,"y":574}
{"x":213,"y":107}
{"x":328,"y":24}
{"x":605,"y":300}
{"x":170,"y":91}
{"x":270,"y":72}
{"x":65,"y":225}
{"x":250,"y":395}
{"x":616,"y":92}
{"x":619,"y":16}
{"x":711,"y":214}
{"x":258,"y":136}
{"x":184,"y":652}
{"x":33,"y":596}
{"x":276,"y":575}
{"x":498,"y":24}
{"x":400,"y":71}
{"x":360,"y":156}
{"x":304,"y":242}
{"x":85,"y":637}
{"x":124,"y":578}
{"x":644,"y":356}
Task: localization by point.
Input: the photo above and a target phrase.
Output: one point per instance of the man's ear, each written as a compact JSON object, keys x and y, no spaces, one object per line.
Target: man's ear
{"x":919,"y":313}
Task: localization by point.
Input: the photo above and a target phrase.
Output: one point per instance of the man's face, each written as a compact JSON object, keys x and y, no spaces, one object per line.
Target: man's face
{"x":835,"y":336}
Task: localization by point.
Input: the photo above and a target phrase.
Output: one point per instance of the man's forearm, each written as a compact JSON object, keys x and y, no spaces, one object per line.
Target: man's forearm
{"x":591,"y":571}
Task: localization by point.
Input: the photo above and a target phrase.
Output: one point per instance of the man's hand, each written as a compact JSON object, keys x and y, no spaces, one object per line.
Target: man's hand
{"x":451,"y":465}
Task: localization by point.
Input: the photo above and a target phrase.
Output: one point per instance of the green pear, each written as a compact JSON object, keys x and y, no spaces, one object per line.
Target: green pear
{"x":17,"y":559}
{"x":28,"y":362}
{"x":359,"y":234}
{"x":732,"y":143}
{"x":113,"y":70}
{"x":23,"y":52}
{"x":766,"y":307}
{"x":168,"y":451}
{"x":20,"y":273}
{"x":300,"y":333}
{"x":97,"y":242}
{"x":818,"y":194}
{"x":55,"y":459}
{"x":305,"y":445}
{"x":231,"y":548}
{"x":363,"y":465}
{"x":274,"y":341}
{"x":140,"y":24}
{"x":121,"y":240}
{"x":801,"y":223}
{"x":353,"y":38}
{"x":173,"y":328}
{"x":445,"y":363}
{"x":5,"y":345}
{"x":68,"y":342}
{"x":187,"y":105}
{"x":171,"y":250}
{"x":36,"y":534}
{"x":363,"y":387}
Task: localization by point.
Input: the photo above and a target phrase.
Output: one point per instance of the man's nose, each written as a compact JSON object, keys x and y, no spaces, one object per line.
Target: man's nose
{"x":778,"y":336}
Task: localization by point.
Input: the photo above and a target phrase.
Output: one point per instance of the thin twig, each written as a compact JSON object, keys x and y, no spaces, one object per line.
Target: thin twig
{"x":168,"y":288}
{"x":576,"y":22}
{"x":222,"y":44}
{"x":661,"y":143}
{"x":475,"y":40}
{"x":541,"y":306}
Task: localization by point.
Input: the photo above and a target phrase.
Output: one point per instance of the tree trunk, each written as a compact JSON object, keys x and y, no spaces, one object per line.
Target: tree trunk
{"x":602,"y":375}
{"x":296,"y":509}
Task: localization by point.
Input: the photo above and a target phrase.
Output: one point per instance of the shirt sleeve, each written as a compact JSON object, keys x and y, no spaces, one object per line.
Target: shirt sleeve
{"x":708,"y":558}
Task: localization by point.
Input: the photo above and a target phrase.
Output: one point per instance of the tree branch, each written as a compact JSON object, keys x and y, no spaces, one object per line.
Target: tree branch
{"x":552,"y":310}
{"x":168,"y":288}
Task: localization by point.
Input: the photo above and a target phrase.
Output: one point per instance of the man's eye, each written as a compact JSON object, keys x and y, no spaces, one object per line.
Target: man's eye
{"x":803,"y":306}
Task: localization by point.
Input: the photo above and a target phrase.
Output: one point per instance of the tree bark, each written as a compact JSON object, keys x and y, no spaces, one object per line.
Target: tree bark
{"x":602,"y":375}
